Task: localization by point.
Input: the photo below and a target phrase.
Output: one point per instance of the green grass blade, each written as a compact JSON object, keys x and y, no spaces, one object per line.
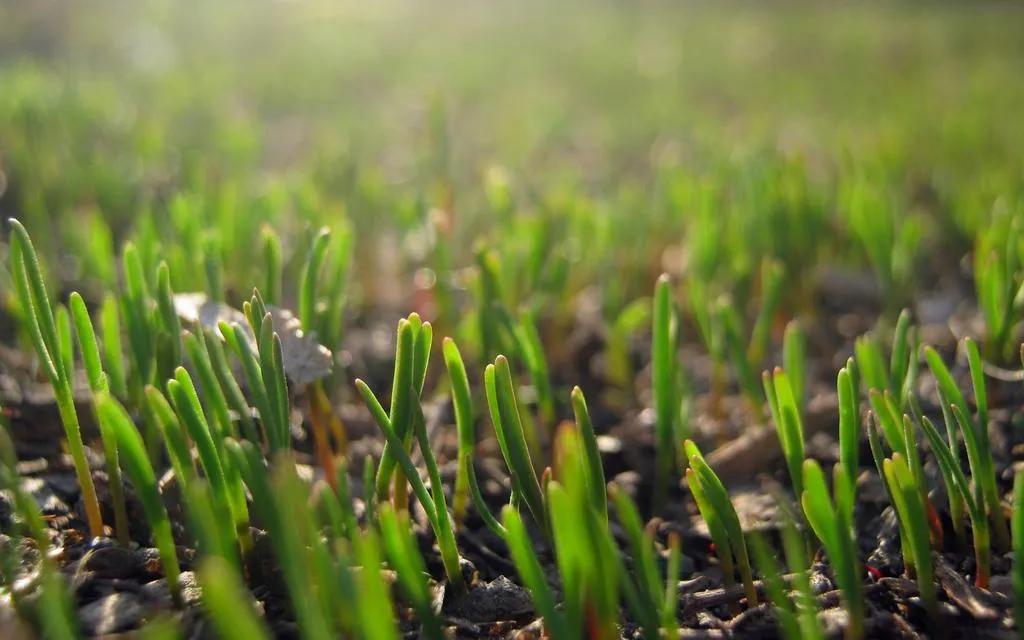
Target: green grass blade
{"x":174,"y":437}
{"x":64,"y":341}
{"x":228,"y":602}
{"x":902,"y":351}
{"x":480,"y":504}
{"x":529,"y":345}
{"x":772,"y":281}
{"x":462,"y":404}
{"x":817,"y":507}
{"x":228,"y":384}
{"x":424,"y":337}
{"x":591,"y":454}
{"x":216,"y":402}
{"x":271,"y":266}
{"x":888,"y":419}
{"x":663,"y":378}
{"x":775,"y":588}
{"x":912,"y":511}
{"x":718,"y":498}
{"x":136,"y":461}
{"x":310,"y":279}
{"x":235,"y":338}
{"x":947,"y":386}
{"x":501,"y":398}
{"x":377,"y":614}
{"x":870,"y":364}
{"x":165,"y":306}
{"x":404,"y":556}
{"x":849,"y":426}
{"x":742,"y":366}
{"x":670,"y":603}
{"x":110,"y":329}
{"x":443,"y":525}
{"x":959,"y":492}
{"x":186,"y":403}
{"x":642,"y":551}
{"x":530,"y":571}
{"x":35,"y":303}
{"x":794,"y":361}
{"x":34,"y":300}
{"x":401,"y":455}
{"x":87,"y":344}
{"x":399,"y":417}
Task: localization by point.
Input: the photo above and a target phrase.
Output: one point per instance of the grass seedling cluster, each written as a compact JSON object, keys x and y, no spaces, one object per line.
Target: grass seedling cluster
{"x":217,"y":263}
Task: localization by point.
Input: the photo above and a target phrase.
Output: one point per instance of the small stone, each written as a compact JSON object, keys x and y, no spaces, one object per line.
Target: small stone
{"x":500,"y":599}
{"x":116,"y":612}
{"x":44,"y":495}
{"x":156,"y":591}
{"x":1002,"y":585}
{"x":833,"y":621}
{"x":820,"y":583}
{"x":65,"y":484}
{"x":113,"y":562}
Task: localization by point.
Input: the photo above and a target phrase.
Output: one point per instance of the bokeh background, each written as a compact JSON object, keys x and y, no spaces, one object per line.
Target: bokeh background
{"x":407,"y":121}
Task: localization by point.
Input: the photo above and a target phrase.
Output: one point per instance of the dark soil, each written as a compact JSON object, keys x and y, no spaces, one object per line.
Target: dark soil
{"x":118,"y":589}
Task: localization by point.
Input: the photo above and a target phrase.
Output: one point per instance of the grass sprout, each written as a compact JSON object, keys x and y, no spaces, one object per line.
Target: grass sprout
{"x":723,"y":523}
{"x":665,"y":384}
{"x":410,"y":370}
{"x":226,"y":601}
{"x":585,"y":551}
{"x":504,"y":410}
{"x":798,"y":616}
{"x":786,"y":413}
{"x":98,"y":384}
{"x":999,"y":282}
{"x":975,"y":434}
{"x":957,"y":485}
{"x":900,"y":374}
{"x":521,"y":548}
{"x":830,"y":519}
{"x":654,"y":599}
{"x":404,"y":557}
{"x":906,"y":495}
{"x":38,"y":314}
{"x":136,"y":462}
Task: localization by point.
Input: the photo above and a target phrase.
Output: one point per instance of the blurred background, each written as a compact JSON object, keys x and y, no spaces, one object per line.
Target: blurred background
{"x":608,"y":124}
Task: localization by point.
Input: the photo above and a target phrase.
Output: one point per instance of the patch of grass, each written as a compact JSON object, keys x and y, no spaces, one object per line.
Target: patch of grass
{"x":354,"y":163}
{"x":53,"y":355}
{"x":723,"y":523}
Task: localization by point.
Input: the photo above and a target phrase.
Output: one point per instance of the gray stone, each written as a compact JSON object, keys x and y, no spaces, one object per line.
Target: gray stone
{"x":116,"y":612}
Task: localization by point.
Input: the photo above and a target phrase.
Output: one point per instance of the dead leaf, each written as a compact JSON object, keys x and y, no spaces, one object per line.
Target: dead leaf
{"x":305,"y":359}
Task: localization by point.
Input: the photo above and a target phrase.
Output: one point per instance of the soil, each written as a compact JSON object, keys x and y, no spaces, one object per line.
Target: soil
{"x":117,"y":589}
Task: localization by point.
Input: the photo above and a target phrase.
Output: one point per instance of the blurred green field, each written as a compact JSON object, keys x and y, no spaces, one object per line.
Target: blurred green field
{"x":389,"y":111}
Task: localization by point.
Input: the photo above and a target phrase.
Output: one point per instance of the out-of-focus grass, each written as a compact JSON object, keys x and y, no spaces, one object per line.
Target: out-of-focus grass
{"x":143,"y":97}
{"x":696,"y":138}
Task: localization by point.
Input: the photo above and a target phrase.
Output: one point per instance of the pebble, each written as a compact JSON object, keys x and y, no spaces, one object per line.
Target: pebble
{"x":116,"y":612}
{"x":156,"y":590}
{"x":1002,"y":585}
{"x":113,"y":562}
{"x":820,"y":583}
{"x":499,"y":599}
